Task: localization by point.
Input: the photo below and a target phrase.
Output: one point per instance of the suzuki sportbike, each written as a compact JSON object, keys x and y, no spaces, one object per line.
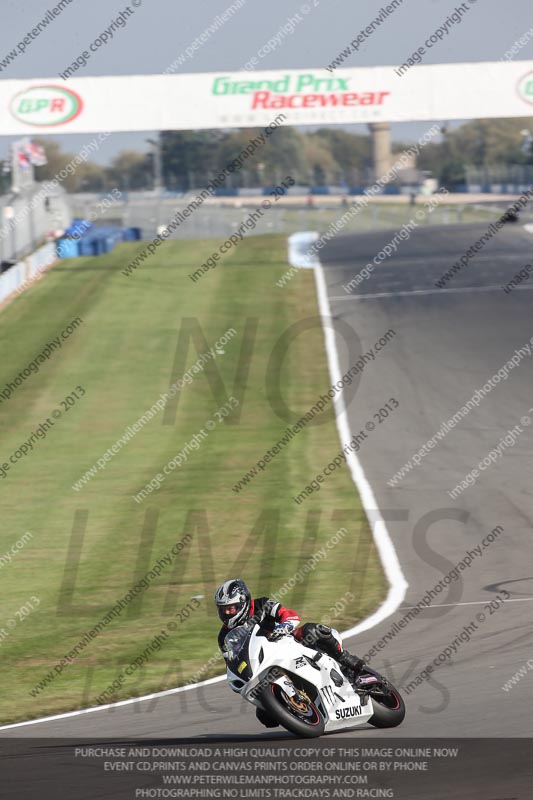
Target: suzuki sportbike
{"x":304,"y":690}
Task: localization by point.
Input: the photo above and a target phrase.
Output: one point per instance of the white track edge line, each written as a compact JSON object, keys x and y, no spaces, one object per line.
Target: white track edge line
{"x":473,"y":603}
{"x":389,"y":559}
{"x":419,"y":292}
{"x":127,"y":702}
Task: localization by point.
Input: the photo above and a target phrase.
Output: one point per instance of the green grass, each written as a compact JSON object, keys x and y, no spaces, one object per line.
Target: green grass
{"x":124,"y":355}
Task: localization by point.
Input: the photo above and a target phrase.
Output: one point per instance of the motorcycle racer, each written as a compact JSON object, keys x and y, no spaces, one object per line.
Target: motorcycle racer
{"x":236,"y":606}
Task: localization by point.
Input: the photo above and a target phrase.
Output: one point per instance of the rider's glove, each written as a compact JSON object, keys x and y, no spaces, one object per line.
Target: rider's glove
{"x":282,"y":629}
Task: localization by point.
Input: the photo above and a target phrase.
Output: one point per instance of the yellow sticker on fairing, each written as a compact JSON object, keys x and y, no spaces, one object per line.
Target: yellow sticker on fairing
{"x":242,"y":666}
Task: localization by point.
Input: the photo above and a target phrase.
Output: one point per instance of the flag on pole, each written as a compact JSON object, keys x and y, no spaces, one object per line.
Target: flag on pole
{"x":22,"y":176}
{"x":23,"y":159}
{"x":35,"y":153}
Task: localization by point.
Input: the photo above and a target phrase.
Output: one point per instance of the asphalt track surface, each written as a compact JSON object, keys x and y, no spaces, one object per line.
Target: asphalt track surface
{"x":448,"y":343}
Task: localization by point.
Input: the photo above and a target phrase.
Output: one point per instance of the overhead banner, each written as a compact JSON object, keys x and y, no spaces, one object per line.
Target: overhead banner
{"x":249,"y":99}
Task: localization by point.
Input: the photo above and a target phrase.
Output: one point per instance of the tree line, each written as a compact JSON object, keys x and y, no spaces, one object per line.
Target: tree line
{"x":327,"y":156}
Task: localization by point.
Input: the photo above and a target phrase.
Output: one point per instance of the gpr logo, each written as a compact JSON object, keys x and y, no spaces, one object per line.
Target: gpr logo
{"x":46,"y":106}
{"x":525,"y":87}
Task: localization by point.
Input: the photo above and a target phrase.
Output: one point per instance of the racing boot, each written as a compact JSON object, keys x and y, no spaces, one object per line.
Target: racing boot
{"x":350,"y":665}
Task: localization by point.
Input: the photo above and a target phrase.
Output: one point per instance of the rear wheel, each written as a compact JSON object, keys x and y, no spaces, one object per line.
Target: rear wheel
{"x":299,"y":716}
{"x":389,"y":708}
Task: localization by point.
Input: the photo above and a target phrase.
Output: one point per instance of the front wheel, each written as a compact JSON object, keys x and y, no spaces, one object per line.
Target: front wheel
{"x":300,"y":717}
{"x":389,"y":708}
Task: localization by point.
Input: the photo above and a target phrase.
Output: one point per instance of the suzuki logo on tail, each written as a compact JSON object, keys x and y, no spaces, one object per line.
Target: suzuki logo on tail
{"x":344,"y":713}
{"x":525,"y":87}
{"x":46,"y":106}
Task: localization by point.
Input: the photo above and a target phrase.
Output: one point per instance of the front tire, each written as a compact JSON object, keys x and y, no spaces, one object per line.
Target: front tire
{"x":389,"y":708}
{"x":300,"y":718}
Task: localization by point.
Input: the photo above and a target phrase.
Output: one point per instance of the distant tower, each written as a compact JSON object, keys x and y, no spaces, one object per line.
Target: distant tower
{"x":381,"y":151}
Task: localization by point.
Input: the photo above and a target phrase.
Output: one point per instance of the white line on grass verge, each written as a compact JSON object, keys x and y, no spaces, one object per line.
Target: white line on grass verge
{"x":389,"y":559}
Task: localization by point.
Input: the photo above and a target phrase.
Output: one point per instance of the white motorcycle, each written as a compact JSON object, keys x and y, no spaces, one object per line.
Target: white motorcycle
{"x":304,"y":690}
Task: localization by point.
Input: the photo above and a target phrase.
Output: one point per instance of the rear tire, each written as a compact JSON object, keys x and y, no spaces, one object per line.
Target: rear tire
{"x":389,"y":711}
{"x":304,"y":721}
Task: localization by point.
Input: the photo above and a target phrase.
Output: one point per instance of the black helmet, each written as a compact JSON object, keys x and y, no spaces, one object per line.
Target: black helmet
{"x":233,"y":601}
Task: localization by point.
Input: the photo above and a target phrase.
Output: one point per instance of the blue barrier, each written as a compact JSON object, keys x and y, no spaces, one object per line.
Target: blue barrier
{"x":83,"y":238}
{"x":68,"y":248}
{"x":86,"y":247}
{"x":78,"y":228}
{"x":132,"y":234}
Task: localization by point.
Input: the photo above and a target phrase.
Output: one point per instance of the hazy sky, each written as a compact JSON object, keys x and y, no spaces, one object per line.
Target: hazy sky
{"x":160,"y":30}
